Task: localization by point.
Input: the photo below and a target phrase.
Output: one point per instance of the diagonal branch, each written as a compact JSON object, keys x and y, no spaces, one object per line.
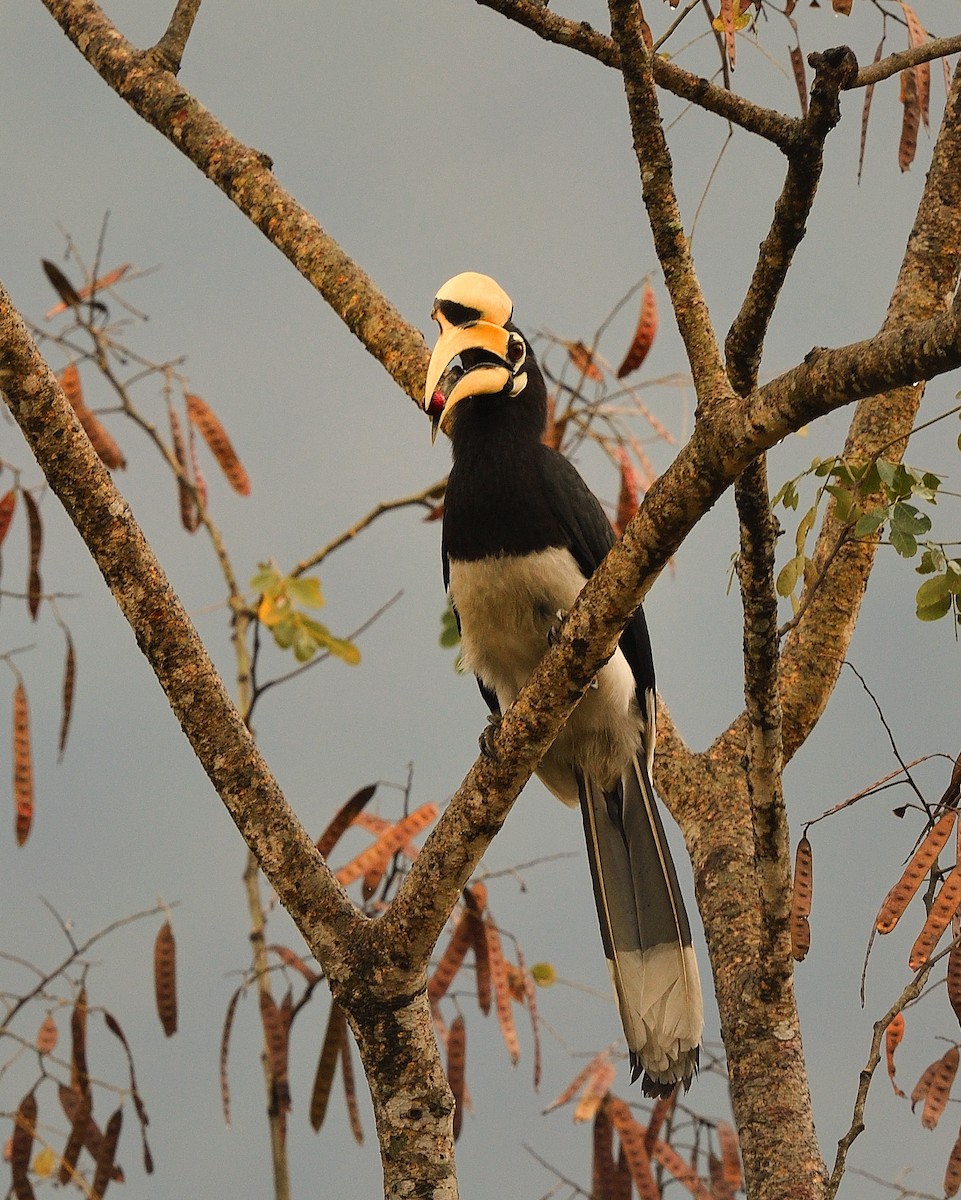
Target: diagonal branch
{"x":170,"y":643}
{"x":244,"y":175}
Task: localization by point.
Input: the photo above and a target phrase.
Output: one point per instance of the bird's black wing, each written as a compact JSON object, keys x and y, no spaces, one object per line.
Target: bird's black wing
{"x":590,"y":536}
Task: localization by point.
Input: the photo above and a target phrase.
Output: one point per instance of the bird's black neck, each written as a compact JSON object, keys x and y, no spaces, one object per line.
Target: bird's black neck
{"x":497,"y":506}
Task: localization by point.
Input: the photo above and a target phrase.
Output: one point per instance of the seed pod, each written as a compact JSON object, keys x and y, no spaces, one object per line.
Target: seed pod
{"x":22,"y":764}
{"x":632,"y":1143}
{"x":801,"y":900}
{"x":34,"y":586}
{"x":327,"y":1065}
{"x":940,"y":1088}
{"x":942,"y":910}
{"x":892,"y":1039}
{"x":8,"y":502}
{"x":502,"y":996}
{"x":165,"y":978}
{"x":47,"y":1035}
{"x":643,"y":334}
{"x":210,"y":429}
{"x":456,"y":1059}
{"x":596,"y":1088}
{"x":900,"y":896}
{"x":25,"y":1121}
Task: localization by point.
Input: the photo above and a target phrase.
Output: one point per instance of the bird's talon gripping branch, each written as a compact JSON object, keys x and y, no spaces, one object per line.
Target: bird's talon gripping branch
{"x":554,"y":633}
{"x":486,"y":740}
{"x":522,"y":533}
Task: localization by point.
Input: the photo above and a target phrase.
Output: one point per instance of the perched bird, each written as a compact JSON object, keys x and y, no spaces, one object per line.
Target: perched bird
{"x":522,"y":534}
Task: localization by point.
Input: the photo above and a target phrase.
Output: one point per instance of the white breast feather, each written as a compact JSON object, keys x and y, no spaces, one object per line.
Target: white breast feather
{"x":506,"y":607}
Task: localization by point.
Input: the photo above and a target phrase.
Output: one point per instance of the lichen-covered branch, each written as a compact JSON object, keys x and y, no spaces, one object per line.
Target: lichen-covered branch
{"x":244,"y":175}
{"x":917,"y":318}
{"x":657,"y":186}
{"x":171,"y":645}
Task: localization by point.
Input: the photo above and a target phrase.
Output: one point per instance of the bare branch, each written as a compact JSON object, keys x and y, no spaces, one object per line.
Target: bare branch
{"x":244,"y":175}
{"x":805,"y":161}
{"x":169,"y":641}
{"x":670,"y":241}
{"x":169,"y":51}
{"x":895,"y":63}
{"x":579,"y":35}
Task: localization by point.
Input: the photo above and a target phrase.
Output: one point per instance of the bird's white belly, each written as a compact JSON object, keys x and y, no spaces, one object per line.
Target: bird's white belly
{"x":506,"y":606}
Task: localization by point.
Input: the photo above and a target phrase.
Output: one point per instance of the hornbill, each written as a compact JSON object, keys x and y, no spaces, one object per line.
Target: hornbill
{"x":522,"y":533}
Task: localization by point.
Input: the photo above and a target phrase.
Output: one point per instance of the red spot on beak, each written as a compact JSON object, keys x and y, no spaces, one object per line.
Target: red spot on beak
{"x":436,"y":406}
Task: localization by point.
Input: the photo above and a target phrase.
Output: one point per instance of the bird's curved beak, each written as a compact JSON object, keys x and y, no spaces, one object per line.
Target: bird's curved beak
{"x":485,"y":345}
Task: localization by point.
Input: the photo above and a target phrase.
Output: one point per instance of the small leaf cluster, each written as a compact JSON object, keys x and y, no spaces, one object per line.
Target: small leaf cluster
{"x":874,"y":499}
{"x":293,"y":629}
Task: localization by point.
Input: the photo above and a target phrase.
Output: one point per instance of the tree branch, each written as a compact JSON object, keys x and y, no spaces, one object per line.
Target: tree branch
{"x":912,"y":57}
{"x":805,"y":160}
{"x":670,"y":241}
{"x":169,"y":51}
{"x":244,"y":175}
{"x":579,"y":35}
{"x":813,"y":653}
{"x":171,"y":645}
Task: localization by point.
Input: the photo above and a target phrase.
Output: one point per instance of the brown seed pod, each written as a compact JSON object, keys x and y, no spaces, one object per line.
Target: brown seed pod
{"x":165,"y":978}
{"x":685,"y":1174}
{"x":47,"y":1035}
{"x":801,"y":900}
{"x":8,"y":503}
{"x":67,"y":693}
{"x":350,"y":1089}
{"x":644,"y":333}
{"x":456,"y":1060}
{"x":945,"y":905}
{"x":892,"y":1039}
{"x":502,"y":995}
{"x":208,"y":425}
{"x":583,"y":359}
{"x":25,"y":1121}
{"x":632,"y":1142}
{"x":75,"y":1138}
{"x":379,"y":854}
{"x":34,"y":586}
{"x":940,"y":1088}
{"x":900,"y":896}
{"x":104,"y":1170}
{"x":102,"y":441}
{"x":327,"y":1065}
{"x":596,"y":1087}
{"x":22,"y":764}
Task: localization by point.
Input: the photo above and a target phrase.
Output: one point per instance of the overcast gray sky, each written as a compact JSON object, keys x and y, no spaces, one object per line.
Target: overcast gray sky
{"x":428,"y":138}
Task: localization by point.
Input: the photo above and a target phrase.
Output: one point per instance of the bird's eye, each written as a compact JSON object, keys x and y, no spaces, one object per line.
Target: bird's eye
{"x":516,"y":351}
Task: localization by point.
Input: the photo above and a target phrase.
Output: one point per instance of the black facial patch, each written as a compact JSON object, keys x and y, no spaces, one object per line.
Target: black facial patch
{"x":457,"y":314}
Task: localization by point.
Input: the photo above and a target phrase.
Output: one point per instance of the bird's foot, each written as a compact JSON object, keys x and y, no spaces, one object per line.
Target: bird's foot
{"x":554,"y":630}
{"x":488,"y":733}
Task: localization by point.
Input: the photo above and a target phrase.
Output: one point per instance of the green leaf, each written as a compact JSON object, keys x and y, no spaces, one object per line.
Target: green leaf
{"x":306,"y":591}
{"x":804,"y":528}
{"x":887,"y":472}
{"x":905,"y":543}
{"x":868,"y":524}
{"x":905,"y":518}
{"x":953,"y":576}
{"x":789,"y":575}
{"x":449,"y":633}
{"x":843,"y":500}
{"x":285,"y":631}
{"x":267,"y":579}
{"x":931,"y":560}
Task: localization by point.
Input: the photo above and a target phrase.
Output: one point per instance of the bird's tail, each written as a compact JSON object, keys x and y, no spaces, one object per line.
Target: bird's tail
{"x":645,"y":930}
